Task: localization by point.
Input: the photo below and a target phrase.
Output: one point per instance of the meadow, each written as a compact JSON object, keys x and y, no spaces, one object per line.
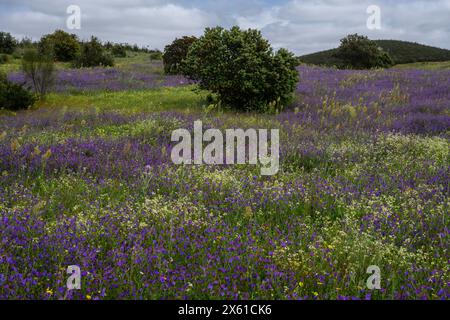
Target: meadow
{"x":86,"y":179}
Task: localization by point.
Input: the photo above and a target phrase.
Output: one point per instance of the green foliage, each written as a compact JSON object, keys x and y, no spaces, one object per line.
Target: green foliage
{"x":7,"y":43}
{"x":358,"y":52}
{"x":14,"y":96}
{"x":4,"y":58}
{"x":402,"y":52}
{"x":39,"y":70}
{"x":175,"y":53}
{"x":62,"y":45}
{"x":385,"y":60}
{"x":93,"y":54}
{"x":242,"y":69}
{"x":119,"y":50}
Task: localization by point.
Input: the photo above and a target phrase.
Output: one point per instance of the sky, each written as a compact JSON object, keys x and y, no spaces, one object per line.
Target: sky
{"x":302,"y":26}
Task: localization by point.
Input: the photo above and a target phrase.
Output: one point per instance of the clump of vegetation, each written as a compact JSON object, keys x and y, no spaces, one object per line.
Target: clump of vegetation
{"x":13,"y":96}
{"x":39,"y":70}
{"x":175,"y":53}
{"x":93,"y":54}
{"x":4,"y":58}
{"x":62,"y":45}
{"x":358,"y":52}
{"x":242,"y":69}
{"x":119,"y":50}
{"x":7,"y":43}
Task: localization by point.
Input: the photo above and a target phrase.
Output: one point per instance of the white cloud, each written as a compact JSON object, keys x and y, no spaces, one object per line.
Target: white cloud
{"x":302,"y":26}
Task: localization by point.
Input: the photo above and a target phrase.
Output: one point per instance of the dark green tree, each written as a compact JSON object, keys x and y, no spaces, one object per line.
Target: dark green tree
{"x":93,"y":54}
{"x":62,"y":45}
{"x":175,"y":53}
{"x":7,"y":43}
{"x":358,"y":52}
{"x":242,"y":69}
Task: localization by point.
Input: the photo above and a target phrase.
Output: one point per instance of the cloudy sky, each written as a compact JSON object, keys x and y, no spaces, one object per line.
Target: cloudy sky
{"x":303,"y":26}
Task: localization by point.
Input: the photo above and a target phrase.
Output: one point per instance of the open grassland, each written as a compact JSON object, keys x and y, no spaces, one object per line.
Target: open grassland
{"x":86,"y":179}
{"x":426,"y":65}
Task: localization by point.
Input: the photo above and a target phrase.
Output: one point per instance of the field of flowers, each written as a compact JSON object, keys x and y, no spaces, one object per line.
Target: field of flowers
{"x":87,"y":180}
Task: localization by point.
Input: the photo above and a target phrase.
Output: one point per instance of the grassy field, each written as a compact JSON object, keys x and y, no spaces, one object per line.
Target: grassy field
{"x":445,"y":65}
{"x":86,"y":179}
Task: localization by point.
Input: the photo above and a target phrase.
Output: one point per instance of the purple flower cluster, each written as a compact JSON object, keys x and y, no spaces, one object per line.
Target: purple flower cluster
{"x":112,"y":79}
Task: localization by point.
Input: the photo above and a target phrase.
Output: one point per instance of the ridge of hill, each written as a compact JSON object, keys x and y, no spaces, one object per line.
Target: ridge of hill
{"x":402,"y":52}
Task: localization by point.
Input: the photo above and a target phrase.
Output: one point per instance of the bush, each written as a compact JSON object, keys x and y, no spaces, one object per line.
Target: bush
{"x":119,"y":50}
{"x":14,"y":96}
{"x":4,"y":58}
{"x":39,"y":70}
{"x":7,"y":43}
{"x":358,"y":52}
{"x":93,"y":55}
{"x":62,"y":45}
{"x":175,"y":53}
{"x":385,"y":60}
{"x":242,"y":69}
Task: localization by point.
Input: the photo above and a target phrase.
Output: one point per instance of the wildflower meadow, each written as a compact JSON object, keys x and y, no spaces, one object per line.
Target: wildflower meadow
{"x":87,"y":180}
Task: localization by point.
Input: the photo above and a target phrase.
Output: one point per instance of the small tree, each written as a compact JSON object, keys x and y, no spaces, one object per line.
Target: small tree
{"x":7,"y":43}
{"x":358,"y":52}
{"x":175,"y":53}
{"x":93,"y":54}
{"x":39,"y":70}
{"x":62,"y":45}
{"x":242,"y":69}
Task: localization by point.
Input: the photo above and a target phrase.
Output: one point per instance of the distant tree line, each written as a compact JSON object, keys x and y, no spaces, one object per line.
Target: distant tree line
{"x":66,"y":47}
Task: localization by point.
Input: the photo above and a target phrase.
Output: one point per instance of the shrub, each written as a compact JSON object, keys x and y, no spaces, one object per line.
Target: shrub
{"x":7,"y":43}
{"x":175,"y":53}
{"x":62,"y":45}
{"x":358,"y":52}
{"x":385,"y":60}
{"x":39,"y":71}
{"x":242,"y":69}
{"x":119,"y":50}
{"x":14,"y":96}
{"x":4,"y":58}
{"x":93,"y":55}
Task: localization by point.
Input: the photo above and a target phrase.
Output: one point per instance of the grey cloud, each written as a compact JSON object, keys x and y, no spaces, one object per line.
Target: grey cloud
{"x":301,"y":26}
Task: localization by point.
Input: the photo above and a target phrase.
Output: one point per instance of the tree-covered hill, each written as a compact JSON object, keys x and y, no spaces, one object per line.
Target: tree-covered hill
{"x":401,"y":51}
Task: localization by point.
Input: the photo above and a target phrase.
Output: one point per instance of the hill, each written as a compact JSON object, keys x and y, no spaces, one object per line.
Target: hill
{"x":401,"y":51}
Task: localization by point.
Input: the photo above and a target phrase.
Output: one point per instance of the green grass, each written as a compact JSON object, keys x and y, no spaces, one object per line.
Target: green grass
{"x":15,"y":65}
{"x":160,"y":99}
{"x":426,"y":65}
{"x":132,"y":60}
{"x":12,"y":66}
